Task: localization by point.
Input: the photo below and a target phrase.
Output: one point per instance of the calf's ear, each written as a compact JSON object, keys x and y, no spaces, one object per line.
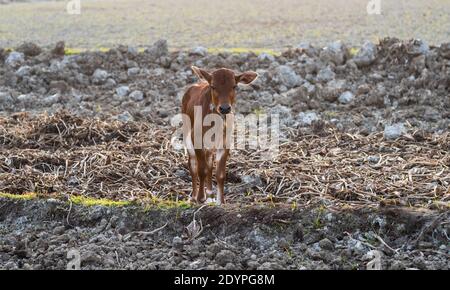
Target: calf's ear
{"x":246,"y":77}
{"x":202,"y":74}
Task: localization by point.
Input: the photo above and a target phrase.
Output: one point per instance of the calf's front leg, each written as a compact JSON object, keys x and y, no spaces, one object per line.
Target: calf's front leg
{"x":221,"y":159}
{"x":202,"y":174}
{"x":209,"y":166}
{"x":193,"y":169}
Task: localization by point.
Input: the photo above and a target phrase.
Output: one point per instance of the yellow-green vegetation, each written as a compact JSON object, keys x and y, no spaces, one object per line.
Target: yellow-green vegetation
{"x":294,"y":205}
{"x":24,"y":196}
{"x":353,"y":51}
{"x":156,"y":202}
{"x":270,"y":199}
{"x":89,"y":201}
{"x":81,"y":200}
{"x":331,"y":114}
{"x":258,"y":111}
{"x":73,"y":50}
{"x":214,"y":50}
{"x":317,"y":223}
{"x":239,"y":50}
{"x":288,"y":251}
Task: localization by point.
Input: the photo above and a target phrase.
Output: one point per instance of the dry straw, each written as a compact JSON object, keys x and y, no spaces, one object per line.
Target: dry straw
{"x":63,"y":153}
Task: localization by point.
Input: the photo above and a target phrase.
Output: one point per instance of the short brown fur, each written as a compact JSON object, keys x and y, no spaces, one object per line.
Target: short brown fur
{"x":216,"y":94}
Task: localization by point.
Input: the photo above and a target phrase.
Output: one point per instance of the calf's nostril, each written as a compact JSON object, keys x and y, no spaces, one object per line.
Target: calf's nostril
{"x":225,"y":109}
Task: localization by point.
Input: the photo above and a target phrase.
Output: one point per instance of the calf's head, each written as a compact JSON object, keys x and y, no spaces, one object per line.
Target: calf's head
{"x":223,"y":83}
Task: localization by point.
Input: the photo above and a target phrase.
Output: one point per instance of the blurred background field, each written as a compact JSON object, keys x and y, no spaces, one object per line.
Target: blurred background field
{"x":217,"y":23}
{"x":86,"y":160}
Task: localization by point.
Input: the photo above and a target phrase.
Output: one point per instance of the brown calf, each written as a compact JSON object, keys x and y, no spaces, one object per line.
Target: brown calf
{"x":216,"y":94}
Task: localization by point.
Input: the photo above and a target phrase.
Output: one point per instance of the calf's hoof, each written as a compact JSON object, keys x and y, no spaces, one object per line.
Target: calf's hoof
{"x":197,"y":201}
{"x":193,"y":199}
{"x":201,"y":200}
